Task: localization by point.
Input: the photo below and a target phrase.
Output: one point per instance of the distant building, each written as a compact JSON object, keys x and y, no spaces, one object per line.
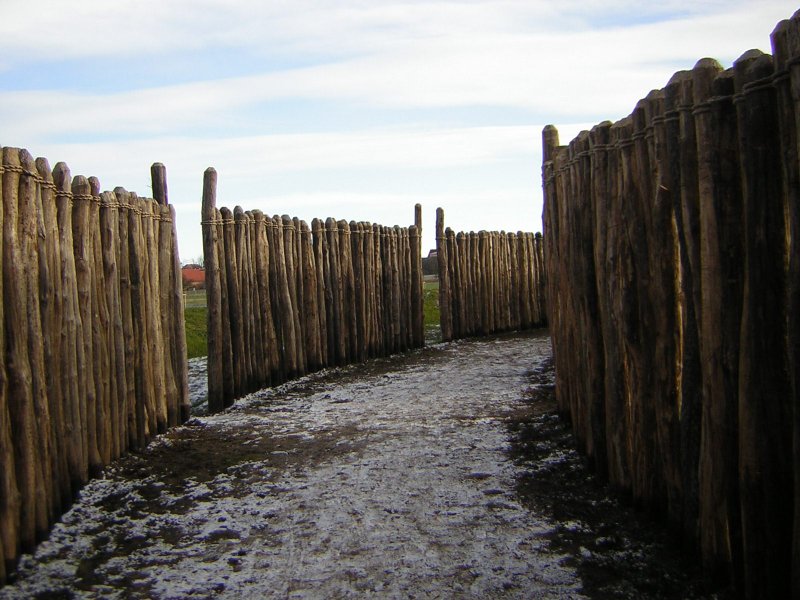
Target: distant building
{"x":194,"y":277}
{"x":430,"y":265}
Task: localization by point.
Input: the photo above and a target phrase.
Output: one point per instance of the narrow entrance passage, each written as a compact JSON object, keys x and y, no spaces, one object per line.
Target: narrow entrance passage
{"x":430,"y":475}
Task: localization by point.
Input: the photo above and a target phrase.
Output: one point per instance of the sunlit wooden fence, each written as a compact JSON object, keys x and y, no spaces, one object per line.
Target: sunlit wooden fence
{"x":489,"y":281}
{"x":92,"y":344}
{"x":285,"y":299}
{"x":674,"y":300}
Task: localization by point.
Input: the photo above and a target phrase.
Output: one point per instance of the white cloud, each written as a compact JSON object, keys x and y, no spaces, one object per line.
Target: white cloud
{"x":574,"y":61}
{"x":561,"y":73}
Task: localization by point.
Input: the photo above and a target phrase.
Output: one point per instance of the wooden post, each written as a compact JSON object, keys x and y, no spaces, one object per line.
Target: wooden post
{"x":720,"y":280}
{"x":146,"y":412}
{"x":109,"y":241}
{"x":9,"y":492}
{"x":454,"y":284}
{"x":299,"y":293}
{"x":394,"y":258}
{"x":245,"y":320}
{"x":171,"y":303}
{"x":155,"y":350}
{"x":786,"y":48}
{"x":227,"y":339}
{"x":128,"y":327}
{"x":20,"y":394}
{"x":445,"y":314}
{"x":292,"y":309}
{"x":318,"y":239}
{"x":359,"y":298}
{"x":211,"y":261}
{"x":181,"y":369}
{"x":84,"y":258}
{"x":268,"y":335}
{"x":417,"y":315}
{"x":336,"y":334}
{"x":310,"y":307}
{"x":419,"y":283}
{"x":99,"y":326}
{"x":233,"y":319}
{"x":285,"y":306}
{"x":765,"y":435}
{"x":10,"y":505}
{"x":30,"y":231}
{"x":377,"y":242}
{"x":51,"y":296}
{"x":260,"y":360}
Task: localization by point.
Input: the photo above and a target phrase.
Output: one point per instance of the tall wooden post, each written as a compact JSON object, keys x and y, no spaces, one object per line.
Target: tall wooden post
{"x":445,"y":312}
{"x":764,"y":394}
{"x":213,"y":292}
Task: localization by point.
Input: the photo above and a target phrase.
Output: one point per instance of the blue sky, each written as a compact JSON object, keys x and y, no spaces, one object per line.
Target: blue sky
{"x":350,"y":109}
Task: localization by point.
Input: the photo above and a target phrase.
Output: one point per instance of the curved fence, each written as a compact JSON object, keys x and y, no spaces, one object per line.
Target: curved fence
{"x":489,"y":281}
{"x":674,"y":293}
{"x":92,"y":345}
{"x":285,"y":299}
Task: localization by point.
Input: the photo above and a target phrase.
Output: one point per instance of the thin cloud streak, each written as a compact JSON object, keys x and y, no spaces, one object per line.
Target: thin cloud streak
{"x":400,"y":94}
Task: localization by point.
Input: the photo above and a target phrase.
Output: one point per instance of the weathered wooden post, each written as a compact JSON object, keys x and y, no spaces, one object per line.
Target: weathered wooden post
{"x":290,"y":269}
{"x":109,"y":235}
{"x":348,"y":316}
{"x":445,"y":313}
{"x":174,"y":311}
{"x":285,"y":302}
{"x":418,"y":294}
{"x":311,"y":309}
{"x":786,"y":49}
{"x":52,"y":306}
{"x":241,"y":268}
{"x":84,"y":258}
{"x":126,"y":303}
{"x":765,"y":433}
{"x":31,"y":231}
{"x":20,"y":394}
{"x":233,"y":316}
{"x":262,"y":275}
{"x":10,"y":507}
{"x":298,"y":295}
{"x":216,"y":401}
{"x":720,"y":208}
{"x":259,"y":361}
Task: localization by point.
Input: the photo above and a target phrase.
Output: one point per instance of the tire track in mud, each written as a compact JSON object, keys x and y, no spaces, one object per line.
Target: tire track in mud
{"x":443,"y":473}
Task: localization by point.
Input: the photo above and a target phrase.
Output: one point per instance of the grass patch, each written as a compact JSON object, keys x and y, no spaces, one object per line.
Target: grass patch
{"x":430,"y":305}
{"x":196,"y":331}
{"x":197,"y":335}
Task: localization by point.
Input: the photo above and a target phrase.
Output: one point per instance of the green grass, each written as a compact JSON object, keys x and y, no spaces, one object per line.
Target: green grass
{"x":430,"y":311}
{"x":430,"y":304}
{"x":197,"y":337}
{"x":196,"y":331}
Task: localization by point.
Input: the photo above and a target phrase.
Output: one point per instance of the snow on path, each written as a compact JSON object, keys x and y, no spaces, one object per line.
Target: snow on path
{"x":391,"y":479}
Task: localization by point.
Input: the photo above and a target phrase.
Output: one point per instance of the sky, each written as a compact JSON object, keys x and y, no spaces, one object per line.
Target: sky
{"x":352,"y":109}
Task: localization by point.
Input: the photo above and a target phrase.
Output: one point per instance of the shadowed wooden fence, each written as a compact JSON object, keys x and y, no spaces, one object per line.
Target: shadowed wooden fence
{"x":488,"y":281}
{"x":92,"y":342}
{"x":674,"y":293}
{"x":285,"y":299}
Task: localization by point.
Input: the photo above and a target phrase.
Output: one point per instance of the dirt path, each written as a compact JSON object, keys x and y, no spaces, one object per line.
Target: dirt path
{"x":440,"y":474}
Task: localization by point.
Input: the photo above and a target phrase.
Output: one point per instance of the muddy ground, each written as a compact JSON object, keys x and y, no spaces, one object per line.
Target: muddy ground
{"x":444,"y":473}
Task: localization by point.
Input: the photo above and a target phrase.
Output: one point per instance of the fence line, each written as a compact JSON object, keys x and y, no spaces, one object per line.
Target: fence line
{"x":489,"y":281}
{"x":285,"y":299}
{"x":674,"y":287}
{"x":91,"y":298}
